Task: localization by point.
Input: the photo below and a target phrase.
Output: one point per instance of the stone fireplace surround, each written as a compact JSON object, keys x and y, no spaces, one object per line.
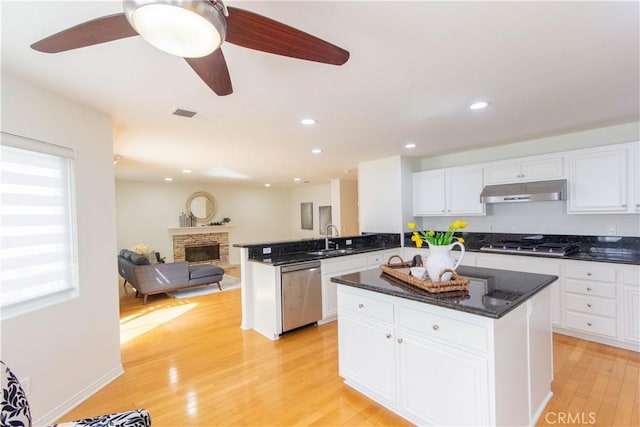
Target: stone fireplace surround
{"x":200,"y":236}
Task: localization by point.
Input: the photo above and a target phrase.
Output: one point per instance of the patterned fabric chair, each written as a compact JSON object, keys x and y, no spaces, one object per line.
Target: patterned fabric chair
{"x":15,"y":410}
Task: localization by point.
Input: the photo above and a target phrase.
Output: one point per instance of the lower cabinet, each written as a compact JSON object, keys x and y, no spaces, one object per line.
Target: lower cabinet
{"x":631,"y":308}
{"x":459,"y":399}
{"x":436,"y":366}
{"x":373,"y":346}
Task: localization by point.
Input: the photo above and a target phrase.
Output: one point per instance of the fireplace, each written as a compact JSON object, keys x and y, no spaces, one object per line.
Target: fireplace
{"x":202,"y":253}
{"x":199,"y":237}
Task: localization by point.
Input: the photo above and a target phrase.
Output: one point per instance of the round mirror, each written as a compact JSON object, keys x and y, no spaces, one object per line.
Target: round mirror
{"x":202,"y":206}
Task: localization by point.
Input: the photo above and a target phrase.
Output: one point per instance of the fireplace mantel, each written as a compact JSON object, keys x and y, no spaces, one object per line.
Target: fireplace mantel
{"x":205,"y":229}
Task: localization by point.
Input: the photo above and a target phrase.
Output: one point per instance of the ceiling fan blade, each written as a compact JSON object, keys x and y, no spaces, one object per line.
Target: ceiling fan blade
{"x":96,"y":31}
{"x":213,"y":70}
{"x":253,"y":31}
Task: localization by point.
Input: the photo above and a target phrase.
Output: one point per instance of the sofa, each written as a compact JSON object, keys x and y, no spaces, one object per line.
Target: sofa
{"x":149,"y":279}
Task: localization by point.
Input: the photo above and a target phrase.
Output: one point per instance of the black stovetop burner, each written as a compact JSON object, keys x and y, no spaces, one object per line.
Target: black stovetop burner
{"x":547,"y":249}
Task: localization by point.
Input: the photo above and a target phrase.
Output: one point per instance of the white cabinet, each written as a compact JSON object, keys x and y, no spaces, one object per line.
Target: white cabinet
{"x":460,"y":376}
{"x":454,"y":191}
{"x":371,"y":344}
{"x":631,"y":301}
{"x":534,"y":169}
{"x":599,"y":181}
{"x":436,"y":366}
{"x":591,"y":305}
{"x":590,"y":300}
{"x":428,"y":193}
{"x":463,"y":187}
{"x":635,"y":178}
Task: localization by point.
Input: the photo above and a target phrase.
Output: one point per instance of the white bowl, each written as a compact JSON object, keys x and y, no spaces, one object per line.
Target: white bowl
{"x":418,"y":272}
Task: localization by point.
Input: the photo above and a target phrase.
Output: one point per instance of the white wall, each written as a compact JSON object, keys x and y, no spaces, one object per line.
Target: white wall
{"x":540,"y":217}
{"x":380,"y":195}
{"x":145,"y":212}
{"x":69,"y":349}
{"x":566,"y":142}
{"x":319,"y":195}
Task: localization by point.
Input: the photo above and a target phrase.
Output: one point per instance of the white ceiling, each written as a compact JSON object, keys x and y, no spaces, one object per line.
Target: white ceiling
{"x":547,"y":68}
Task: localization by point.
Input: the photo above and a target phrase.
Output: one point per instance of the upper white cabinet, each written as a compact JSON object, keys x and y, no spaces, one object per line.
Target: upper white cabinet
{"x":428,"y":193}
{"x":603,"y":180}
{"x":535,"y":169}
{"x":445,"y":192}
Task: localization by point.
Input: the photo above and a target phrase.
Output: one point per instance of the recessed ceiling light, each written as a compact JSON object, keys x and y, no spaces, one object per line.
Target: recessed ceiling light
{"x":267,"y":185}
{"x":479,"y":105}
{"x":186,"y":170}
{"x":308,"y":121}
{"x":168,"y":179}
{"x":410,"y":145}
{"x":316,"y":151}
{"x":297,"y":179}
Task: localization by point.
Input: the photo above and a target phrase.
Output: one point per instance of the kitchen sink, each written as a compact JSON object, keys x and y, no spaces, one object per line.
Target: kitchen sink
{"x":331,"y":252}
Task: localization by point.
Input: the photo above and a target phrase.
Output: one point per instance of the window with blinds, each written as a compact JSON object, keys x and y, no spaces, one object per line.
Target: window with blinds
{"x":38,"y":261}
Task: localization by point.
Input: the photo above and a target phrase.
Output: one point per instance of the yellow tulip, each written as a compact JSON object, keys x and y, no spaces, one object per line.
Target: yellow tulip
{"x":411,"y":225}
{"x":463,"y":224}
{"x":431,"y":233}
{"x":460,"y":239}
{"x":416,"y":238}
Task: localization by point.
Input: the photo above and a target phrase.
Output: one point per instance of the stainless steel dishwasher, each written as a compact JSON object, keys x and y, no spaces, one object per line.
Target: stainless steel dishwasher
{"x":301,"y":294}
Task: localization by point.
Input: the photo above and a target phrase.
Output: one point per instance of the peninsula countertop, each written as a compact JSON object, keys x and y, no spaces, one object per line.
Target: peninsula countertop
{"x":492,"y":293}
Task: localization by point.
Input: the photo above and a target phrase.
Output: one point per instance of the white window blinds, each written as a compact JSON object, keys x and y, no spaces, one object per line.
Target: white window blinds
{"x":38,"y":263}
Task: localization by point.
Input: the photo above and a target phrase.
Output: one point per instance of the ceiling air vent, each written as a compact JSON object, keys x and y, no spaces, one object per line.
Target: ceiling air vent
{"x":184,"y":113}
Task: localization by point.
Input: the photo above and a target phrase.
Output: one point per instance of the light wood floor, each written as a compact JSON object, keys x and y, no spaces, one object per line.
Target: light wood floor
{"x":188,"y":362}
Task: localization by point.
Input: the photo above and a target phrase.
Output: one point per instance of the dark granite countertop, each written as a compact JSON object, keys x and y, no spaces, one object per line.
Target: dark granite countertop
{"x":492,"y":293}
{"x":294,"y":251}
{"x":611,"y":249}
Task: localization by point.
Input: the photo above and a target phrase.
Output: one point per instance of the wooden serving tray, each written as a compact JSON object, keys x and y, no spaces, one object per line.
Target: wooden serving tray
{"x":400,"y":270}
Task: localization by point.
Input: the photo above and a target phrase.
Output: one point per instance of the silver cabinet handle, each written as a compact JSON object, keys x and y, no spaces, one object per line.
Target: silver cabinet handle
{"x":624,"y":206}
{"x":360,"y":305}
{"x":400,"y":340}
{"x":589,"y":305}
{"x":442,"y":210}
{"x":388,"y":336}
{"x":589,"y":324}
{"x":436,"y":327}
{"x":589,"y":273}
{"x":637,"y":205}
{"x":589,"y":289}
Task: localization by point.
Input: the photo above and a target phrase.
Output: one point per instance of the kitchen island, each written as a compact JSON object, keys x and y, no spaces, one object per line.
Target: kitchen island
{"x":482,"y":357}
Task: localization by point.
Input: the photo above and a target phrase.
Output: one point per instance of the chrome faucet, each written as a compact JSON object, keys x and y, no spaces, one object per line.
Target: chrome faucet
{"x":327,"y":231}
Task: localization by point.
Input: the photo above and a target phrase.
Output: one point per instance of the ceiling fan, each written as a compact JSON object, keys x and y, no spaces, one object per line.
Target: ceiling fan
{"x":195,"y":29}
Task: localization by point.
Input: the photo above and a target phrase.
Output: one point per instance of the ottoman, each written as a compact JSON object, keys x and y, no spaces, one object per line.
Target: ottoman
{"x":204,"y":274}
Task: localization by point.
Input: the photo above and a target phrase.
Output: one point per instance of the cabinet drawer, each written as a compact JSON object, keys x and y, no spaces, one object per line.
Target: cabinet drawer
{"x":344,"y":264}
{"x":592,"y":324}
{"x":590,"y":288}
{"x":369,"y":307}
{"x":595,"y":272}
{"x":591,"y":305}
{"x":463,"y":334}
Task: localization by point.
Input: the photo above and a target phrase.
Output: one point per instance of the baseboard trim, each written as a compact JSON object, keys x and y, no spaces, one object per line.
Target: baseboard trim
{"x":75,"y":400}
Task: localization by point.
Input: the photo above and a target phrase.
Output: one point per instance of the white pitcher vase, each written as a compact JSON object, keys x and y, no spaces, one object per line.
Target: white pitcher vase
{"x":439,"y":259}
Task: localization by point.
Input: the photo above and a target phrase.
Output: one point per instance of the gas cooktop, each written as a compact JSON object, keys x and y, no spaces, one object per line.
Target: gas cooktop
{"x":527,"y":248}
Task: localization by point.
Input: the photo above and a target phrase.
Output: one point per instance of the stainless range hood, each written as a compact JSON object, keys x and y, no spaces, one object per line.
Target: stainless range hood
{"x":525,"y":192}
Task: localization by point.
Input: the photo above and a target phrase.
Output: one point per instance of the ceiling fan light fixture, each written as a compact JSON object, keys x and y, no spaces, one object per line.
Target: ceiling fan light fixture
{"x":187,"y":28}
